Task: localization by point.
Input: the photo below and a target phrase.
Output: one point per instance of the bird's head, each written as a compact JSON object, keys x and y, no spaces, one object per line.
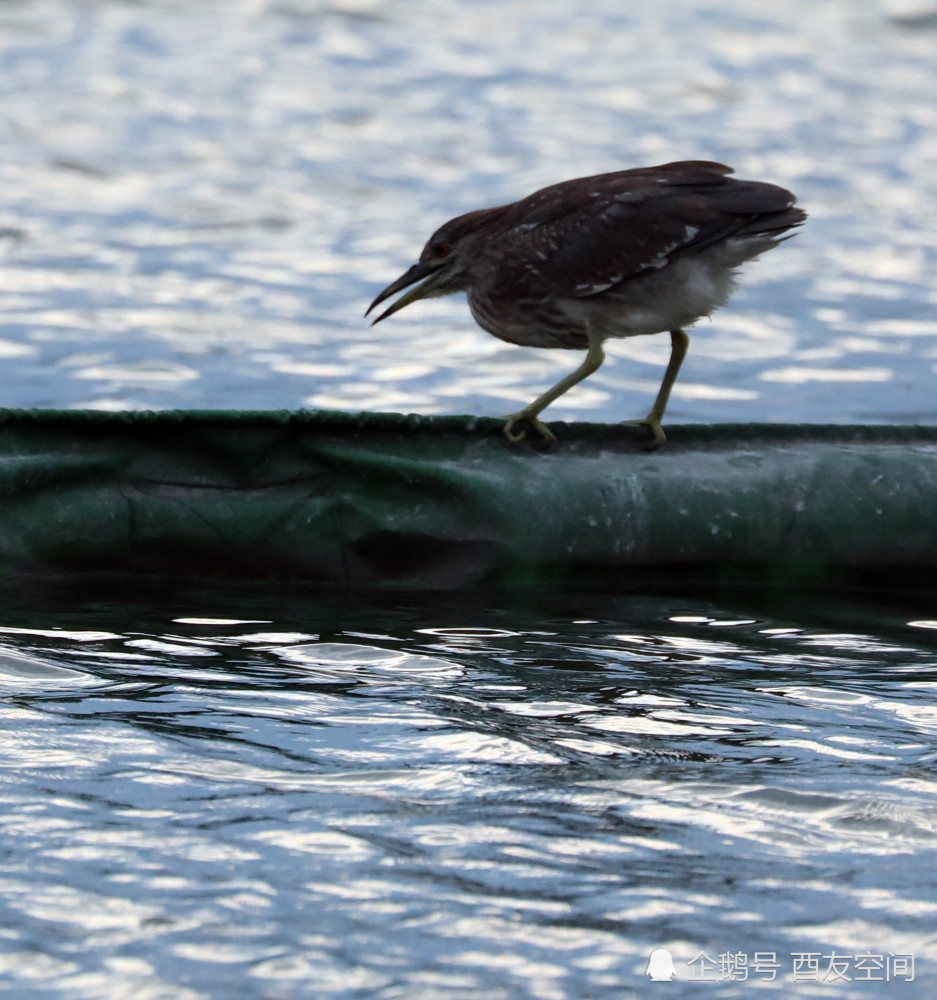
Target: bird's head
{"x":443,"y":267}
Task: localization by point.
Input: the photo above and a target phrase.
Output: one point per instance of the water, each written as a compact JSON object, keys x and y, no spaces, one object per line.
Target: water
{"x":425,"y":797}
{"x":261,"y":793}
{"x":201,"y":199}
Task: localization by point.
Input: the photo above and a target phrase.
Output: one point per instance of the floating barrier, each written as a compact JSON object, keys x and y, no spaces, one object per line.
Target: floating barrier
{"x":413,"y":501}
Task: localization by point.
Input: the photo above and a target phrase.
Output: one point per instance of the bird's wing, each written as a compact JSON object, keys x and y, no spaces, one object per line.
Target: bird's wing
{"x":582,"y":237}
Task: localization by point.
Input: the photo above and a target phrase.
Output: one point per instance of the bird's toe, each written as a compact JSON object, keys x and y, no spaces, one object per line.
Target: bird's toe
{"x":516,"y":426}
{"x":652,"y":423}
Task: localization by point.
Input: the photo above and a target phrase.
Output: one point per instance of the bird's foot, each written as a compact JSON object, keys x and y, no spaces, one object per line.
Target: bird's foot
{"x":652,"y":422}
{"x":516,"y":426}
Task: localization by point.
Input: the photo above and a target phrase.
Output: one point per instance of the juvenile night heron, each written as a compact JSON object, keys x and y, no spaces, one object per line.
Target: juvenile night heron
{"x":616,"y":255}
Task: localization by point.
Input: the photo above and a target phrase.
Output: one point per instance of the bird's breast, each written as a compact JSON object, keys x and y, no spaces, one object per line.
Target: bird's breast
{"x":531,"y":321}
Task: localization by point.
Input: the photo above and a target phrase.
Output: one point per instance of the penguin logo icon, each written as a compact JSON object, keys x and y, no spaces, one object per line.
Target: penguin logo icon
{"x":660,"y":966}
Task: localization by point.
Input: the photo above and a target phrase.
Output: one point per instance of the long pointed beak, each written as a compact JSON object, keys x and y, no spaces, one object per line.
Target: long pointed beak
{"x":416,"y":273}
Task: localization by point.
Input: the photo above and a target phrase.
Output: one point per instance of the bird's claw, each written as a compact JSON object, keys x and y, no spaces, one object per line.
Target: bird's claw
{"x":517,"y":424}
{"x":652,"y":422}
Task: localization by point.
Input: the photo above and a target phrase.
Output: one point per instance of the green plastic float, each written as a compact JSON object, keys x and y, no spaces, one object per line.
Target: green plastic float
{"x":420,"y":502}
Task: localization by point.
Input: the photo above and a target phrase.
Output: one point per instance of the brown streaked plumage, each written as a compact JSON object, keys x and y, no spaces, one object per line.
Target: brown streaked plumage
{"x":616,"y":255}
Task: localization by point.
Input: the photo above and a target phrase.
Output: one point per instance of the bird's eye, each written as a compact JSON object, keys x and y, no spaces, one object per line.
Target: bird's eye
{"x":441,"y":250}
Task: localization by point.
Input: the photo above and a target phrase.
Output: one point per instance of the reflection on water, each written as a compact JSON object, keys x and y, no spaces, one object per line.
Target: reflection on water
{"x":240,"y":795}
{"x":290,"y":796}
{"x":201,"y":199}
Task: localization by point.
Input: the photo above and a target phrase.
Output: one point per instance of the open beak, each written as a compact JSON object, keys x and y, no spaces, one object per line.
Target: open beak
{"x":418,"y":272}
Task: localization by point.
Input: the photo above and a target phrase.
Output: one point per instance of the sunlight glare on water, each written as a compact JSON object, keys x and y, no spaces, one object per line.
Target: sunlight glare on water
{"x":431,"y":798}
{"x":201,"y":201}
{"x":245,"y":793}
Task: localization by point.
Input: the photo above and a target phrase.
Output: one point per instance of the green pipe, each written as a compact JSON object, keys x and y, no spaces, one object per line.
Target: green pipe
{"x":416,"y":501}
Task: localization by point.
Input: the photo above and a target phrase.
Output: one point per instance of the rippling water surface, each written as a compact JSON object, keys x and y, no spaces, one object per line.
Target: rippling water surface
{"x":201,"y":199}
{"x":516,"y":797}
{"x":239,"y":794}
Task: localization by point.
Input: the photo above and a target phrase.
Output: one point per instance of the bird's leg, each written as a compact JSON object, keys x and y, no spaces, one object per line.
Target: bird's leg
{"x":679,"y":342}
{"x":592,"y":361}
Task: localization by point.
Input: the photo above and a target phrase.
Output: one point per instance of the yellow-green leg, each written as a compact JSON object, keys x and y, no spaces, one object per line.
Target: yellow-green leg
{"x":593,"y":360}
{"x":679,"y":342}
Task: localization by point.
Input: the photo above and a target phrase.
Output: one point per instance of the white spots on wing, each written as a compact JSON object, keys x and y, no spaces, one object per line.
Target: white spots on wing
{"x":638,"y":195}
{"x":611,"y":215}
{"x":663,"y":258}
{"x":594,"y":287}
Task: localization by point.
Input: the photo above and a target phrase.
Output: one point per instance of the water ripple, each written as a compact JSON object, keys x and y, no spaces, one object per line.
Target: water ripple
{"x":213,"y":793}
{"x":201,"y":206}
{"x":565,"y":790}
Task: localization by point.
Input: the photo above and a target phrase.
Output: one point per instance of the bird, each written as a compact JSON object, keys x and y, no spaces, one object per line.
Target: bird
{"x":623,"y":254}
